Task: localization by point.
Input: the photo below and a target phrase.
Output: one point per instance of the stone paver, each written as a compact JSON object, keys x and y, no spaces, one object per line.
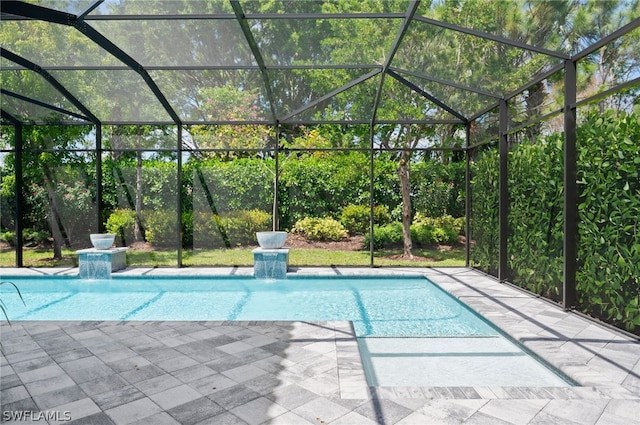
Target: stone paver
{"x":242,"y":373}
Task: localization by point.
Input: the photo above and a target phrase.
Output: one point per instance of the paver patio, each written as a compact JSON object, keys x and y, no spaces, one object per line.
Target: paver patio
{"x":302,"y":372}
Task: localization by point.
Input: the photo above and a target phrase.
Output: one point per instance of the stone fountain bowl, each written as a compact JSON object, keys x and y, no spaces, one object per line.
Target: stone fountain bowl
{"x":271,"y":240}
{"x":102,"y":240}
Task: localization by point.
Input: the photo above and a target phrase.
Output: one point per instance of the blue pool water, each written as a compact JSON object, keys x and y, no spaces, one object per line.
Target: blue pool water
{"x":376,"y":306}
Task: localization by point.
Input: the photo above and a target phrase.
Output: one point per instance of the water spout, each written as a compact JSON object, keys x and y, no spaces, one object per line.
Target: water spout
{"x":96,"y":263}
{"x":270,"y":264}
{"x":97,"y":266}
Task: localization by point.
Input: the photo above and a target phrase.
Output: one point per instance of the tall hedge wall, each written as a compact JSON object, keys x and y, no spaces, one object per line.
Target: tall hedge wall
{"x":608,"y":278}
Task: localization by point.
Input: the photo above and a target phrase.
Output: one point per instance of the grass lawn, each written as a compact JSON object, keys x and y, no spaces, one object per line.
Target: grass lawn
{"x":244,"y":257}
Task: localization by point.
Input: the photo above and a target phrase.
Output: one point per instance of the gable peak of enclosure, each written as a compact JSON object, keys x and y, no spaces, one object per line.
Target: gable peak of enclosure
{"x":289,"y":62}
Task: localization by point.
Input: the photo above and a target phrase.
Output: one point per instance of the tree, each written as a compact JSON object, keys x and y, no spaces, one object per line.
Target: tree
{"x":229,"y":104}
{"x":137,"y":138}
{"x":55,"y":181}
{"x":615,"y":63}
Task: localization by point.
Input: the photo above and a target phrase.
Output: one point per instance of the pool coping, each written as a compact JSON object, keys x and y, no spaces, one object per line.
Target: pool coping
{"x":605,"y":363}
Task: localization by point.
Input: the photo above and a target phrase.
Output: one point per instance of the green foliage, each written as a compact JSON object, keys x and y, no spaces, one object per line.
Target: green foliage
{"x":609,"y":211}
{"x":427,"y":231}
{"x":30,"y":237}
{"x":66,"y":195}
{"x":484,"y":211}
{"x":187,"y":228}
{"x":356,"y":218}
{"x":386,"y":184}
{"x":34,"y":236}
{"x":52,"y":171}
{"x":8,"y":237}
{"x":216,"y":186}
{"x":322,"y":185}
{"x":161,"y":229}
{"x":159,"y":184}
{"x":434,"y":198}
{"x":241,"y":226}
{"x":320,"y":229}
{"x":424,"y":234}
{"x":439,"y":188}
{"x":385,"y":236}
{"x":230,"y":229}
{"x":208,"y":231}
{"x":608,"y":277}
{"x":535,"y":182}
{"x":460,"y":224}
{"x":121,"y":223}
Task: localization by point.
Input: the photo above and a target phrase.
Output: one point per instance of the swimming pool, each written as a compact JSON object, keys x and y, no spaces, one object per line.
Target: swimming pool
{"x":410,"y":331}
{"x":376,"y":306}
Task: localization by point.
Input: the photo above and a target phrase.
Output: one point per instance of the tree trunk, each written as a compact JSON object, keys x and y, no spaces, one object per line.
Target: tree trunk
{"x":405,"y":187}
{"x":55,"y":221}
{"x":55,"y":227}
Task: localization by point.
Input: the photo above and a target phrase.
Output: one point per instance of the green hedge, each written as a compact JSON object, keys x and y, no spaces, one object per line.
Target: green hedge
{"x":219,"y":186}
{"x":484,"y":211}
{"x":160,"y":227}
{"x":534,"y":243}
{"x":608,"y":277}
{"x":322,"y":185}
{"x":609,"y":217}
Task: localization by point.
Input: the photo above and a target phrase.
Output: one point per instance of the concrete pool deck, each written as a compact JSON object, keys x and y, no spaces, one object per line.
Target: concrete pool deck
{"x":301,"y":372}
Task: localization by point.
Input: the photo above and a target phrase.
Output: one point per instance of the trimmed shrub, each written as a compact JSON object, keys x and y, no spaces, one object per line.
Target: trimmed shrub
{"x":121,"y":223}
{"x":460,"y":224}
{"x":355,"y":218}
{"x":321,"y":229}
{"x":438,"y":230}
{"x":8,"y":237}
{"x":35,"y":236}
{"x":534,"y":241}
{"x":385,"y":236}
{"x":208,"y":231}
{"x":160,"y":227}
{"x":230,"y":229}
{"x":30,"y":237}
{"x":241,"y":226}
{"x":608,"y":241}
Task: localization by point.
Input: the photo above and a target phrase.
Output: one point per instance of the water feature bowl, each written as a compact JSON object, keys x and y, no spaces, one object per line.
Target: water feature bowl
{"x":102,"y":240}
{"x":271,"y":240}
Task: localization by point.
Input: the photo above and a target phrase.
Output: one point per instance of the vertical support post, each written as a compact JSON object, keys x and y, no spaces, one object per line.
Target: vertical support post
{"x":467,"y":195}
{"x":99,"y":197}
{"x":276,"y":182}
{"x":179,"y":197}
{"x":19,"y":194}
{"x":371,"y":197}
{"x":503,"y":207}
{"x":570,"y":187}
